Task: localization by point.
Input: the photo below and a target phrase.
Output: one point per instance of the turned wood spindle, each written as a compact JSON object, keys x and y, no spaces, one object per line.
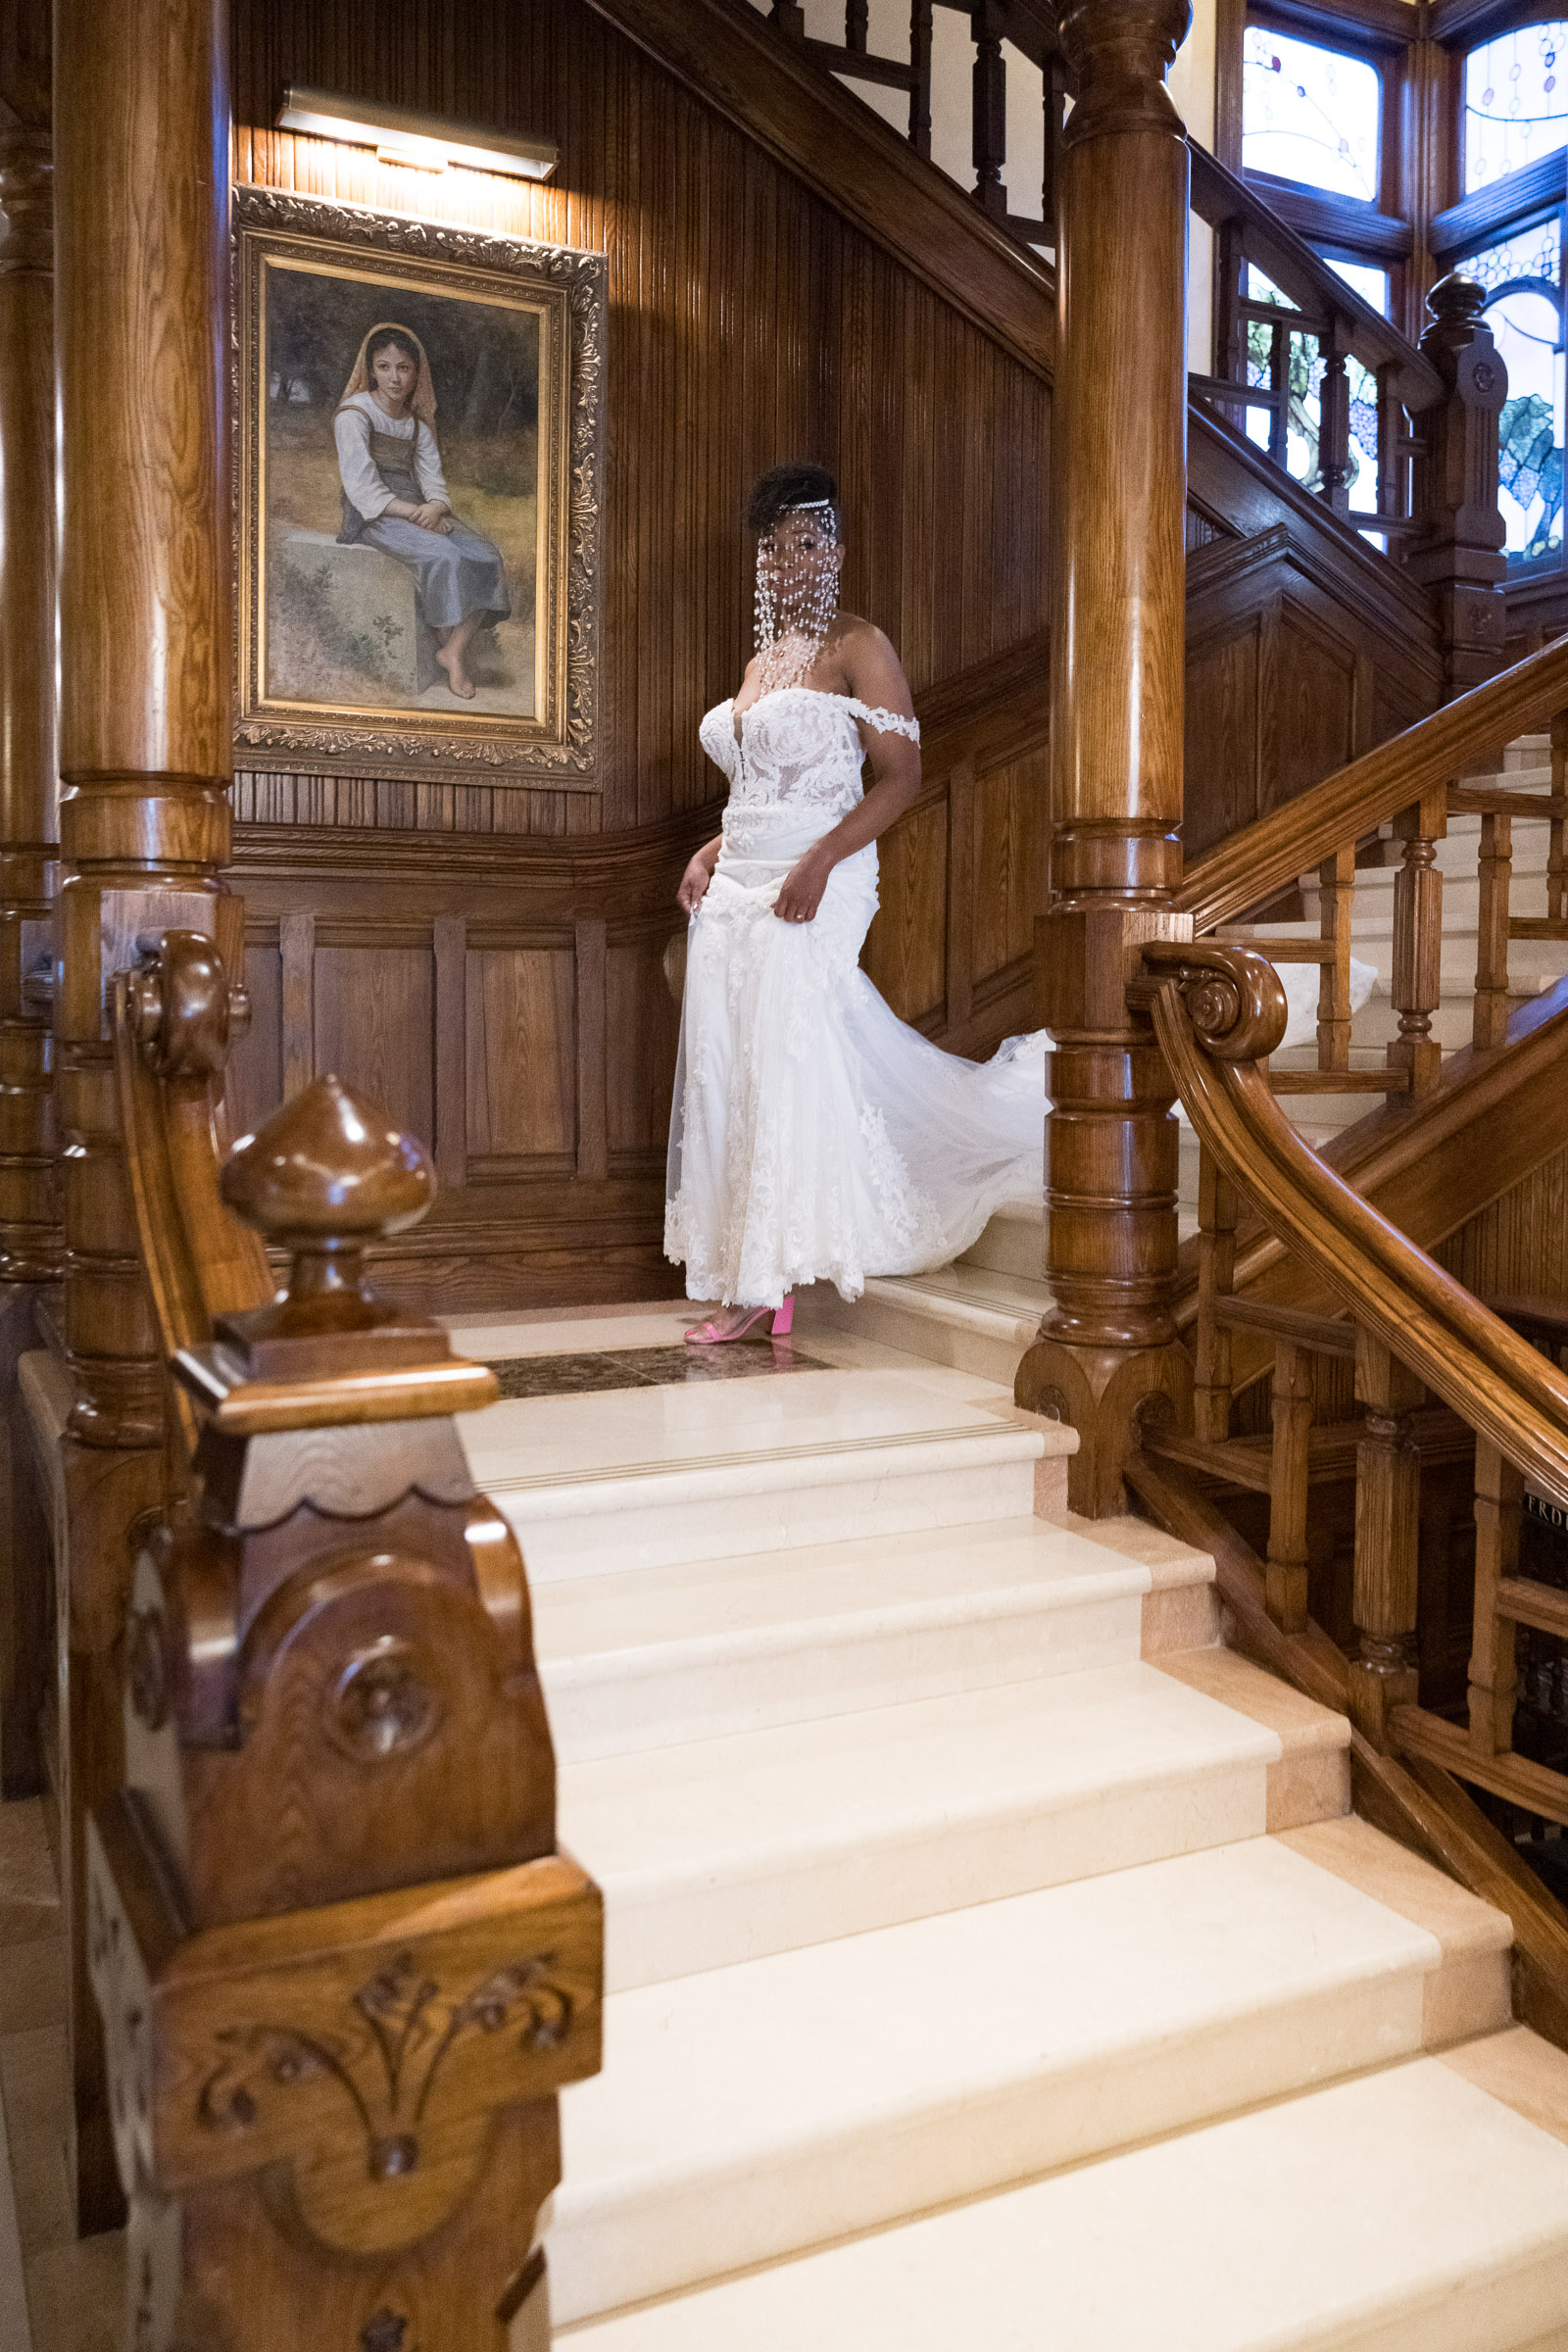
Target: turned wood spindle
{"x":1494,"y":1654}
{"x":1334,"y":419}
{"x":29,"y":761}
{"x":1337,"y":907}
{"x":1490,"y":1025}
{"x":1394,"y":463}
{"x":1416,"y":983}
{"x":1218,"y":1210}
{"x":789,"y":18}
{"x":1557,"y":847}
{"x":1292,"y":1402}
{"x":857,"y":25}
{"x":921,"y":76}
{"x":1384,"y":1675}
{"x":988,"y":22}
{"x":1279,"y":383}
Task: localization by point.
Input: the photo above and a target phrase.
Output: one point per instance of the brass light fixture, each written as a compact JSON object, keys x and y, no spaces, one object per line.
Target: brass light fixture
{"x":420,"y":142}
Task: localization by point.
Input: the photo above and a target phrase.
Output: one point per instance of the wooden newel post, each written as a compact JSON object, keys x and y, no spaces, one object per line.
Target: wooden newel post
{"x":142,"y":168}
{"x":342,"y":1966}
{"x":1459,"y":553}
{"x":1120,"y":466}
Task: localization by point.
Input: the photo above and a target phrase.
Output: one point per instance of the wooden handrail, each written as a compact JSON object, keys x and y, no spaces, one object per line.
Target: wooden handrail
{"x":1220,"y":197}
{"x":1253,"y":865}
{"x":1218,"y":1011}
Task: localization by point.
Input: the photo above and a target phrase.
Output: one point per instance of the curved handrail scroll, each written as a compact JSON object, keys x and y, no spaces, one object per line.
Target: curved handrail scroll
{"x":1217,"y":1012}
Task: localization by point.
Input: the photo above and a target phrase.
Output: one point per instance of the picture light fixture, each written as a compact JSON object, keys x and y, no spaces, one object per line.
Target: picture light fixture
{"x":421,"y":142}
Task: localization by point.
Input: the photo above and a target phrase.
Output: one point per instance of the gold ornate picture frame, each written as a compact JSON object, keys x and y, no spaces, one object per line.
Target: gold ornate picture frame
{"x":480,"y":484}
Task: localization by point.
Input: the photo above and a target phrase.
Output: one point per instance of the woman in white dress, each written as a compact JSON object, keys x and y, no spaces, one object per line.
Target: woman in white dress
{"x":814,"y":1135}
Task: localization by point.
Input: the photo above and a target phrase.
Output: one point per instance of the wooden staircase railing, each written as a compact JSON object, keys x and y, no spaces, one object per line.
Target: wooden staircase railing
{"x":1395,"y":803}
{"x":342,"y":1966}
{"x":1433,"y":1369}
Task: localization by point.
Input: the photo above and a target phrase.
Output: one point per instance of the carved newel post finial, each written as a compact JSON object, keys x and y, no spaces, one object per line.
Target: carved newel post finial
{"x":324,"y":1179}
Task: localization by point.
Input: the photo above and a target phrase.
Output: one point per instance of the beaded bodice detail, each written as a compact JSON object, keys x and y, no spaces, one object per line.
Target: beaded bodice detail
{"x":798,"y":749}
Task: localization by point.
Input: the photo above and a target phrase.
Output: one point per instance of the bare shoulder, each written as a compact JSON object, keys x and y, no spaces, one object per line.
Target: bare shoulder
{"x":872,"y":668}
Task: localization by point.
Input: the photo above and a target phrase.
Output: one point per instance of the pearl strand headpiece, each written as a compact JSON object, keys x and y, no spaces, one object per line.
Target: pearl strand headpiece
{"x":797,"y":599}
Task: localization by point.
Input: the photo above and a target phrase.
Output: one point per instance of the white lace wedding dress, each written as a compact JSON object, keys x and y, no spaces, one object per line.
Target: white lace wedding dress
{"x":814,"y":1135}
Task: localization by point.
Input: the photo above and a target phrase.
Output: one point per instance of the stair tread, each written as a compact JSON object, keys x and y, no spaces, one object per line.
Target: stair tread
{"x":1407,"y":2210}
{"x":741,"y":1599}
{"x":1064,"y":1976}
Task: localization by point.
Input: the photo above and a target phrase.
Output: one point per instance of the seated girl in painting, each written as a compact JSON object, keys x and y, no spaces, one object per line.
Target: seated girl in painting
{"x":395,"y":497}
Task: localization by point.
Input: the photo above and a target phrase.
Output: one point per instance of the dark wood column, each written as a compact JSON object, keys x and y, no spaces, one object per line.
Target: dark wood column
{"x":29,"y":1236}
{"x":141,"y":151}
{"x":1120,"y":477}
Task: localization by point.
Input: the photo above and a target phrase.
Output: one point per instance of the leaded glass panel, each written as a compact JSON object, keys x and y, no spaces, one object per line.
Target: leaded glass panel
{"x":1311,"y":113}
{"x":1523,"y":275}
{"x":1515,"y":101}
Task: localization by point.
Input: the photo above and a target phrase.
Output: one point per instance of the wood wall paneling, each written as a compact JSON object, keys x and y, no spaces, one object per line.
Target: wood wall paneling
{"x":373,"y":1002}
{"x":521,"y":1056}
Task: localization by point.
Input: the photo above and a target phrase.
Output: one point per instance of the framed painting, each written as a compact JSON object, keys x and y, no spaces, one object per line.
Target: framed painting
{"x":418,"y":425}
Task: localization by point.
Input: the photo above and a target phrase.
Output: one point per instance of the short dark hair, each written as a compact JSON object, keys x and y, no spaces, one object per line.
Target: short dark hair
{"x":783,"y":488}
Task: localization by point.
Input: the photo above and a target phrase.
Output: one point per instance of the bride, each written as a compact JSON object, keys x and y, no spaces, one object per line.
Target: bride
{"x":814,"y":1135}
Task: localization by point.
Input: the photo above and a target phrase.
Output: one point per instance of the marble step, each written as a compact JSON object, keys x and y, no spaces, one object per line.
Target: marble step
{"x":973,"y":1318}
{"x":758,"y":2110}
{"x":648,"y":1477}
{"x":651,"y":1657}
{"x":1411,"y":2210}
{"x":728,"y":1850}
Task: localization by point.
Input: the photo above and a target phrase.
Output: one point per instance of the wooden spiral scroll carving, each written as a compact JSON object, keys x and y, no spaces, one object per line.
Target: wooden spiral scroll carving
{"x":1233,"y":996}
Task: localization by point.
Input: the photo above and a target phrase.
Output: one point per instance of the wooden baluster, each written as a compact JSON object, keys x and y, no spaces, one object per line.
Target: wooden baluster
{"x":1491,"y":1019}
{"x":788,"y":17}
{"x":986,"y":23}
{"x":1293,"y":1394}
{"x":1494,"y":1657}
{"x":1218,"y":1209}
{"x":920,"y":68}
{"x":1054,"y":93}
{"x":1337,"y":906}
{"x":1393,"y":497}
{"x":1417,"y":986}
{"x":857,"y":24}
{"x":1334,"y":419}
{"x":1388,"y":1522}
{"x":1279,"y":379}
{"x":1557,"y":851}
{"x":1118,"y":544}
{"x":1230,"y":291}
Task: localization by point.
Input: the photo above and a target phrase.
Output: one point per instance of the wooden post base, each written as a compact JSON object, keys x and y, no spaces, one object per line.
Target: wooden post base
{"x":1104,"y":1393}
{"x":337,"y":2126}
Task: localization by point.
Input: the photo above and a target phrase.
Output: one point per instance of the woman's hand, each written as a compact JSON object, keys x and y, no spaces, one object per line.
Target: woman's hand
{"x":694,"y":884}
{"x":801,"y":893}
{"x":432,"y":517}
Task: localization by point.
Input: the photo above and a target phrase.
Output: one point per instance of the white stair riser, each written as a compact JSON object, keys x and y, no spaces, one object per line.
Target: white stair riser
{"x":1012,"y":1246}
{"x":779,"y":1504}
{"x":623,"y":1703}
{"x":663,"y":1925}
{"x":941,"y":1337}
{"x":622,"y":2240}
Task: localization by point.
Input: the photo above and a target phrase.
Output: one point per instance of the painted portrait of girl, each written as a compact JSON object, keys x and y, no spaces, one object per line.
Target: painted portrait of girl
{"x":395,"y":497}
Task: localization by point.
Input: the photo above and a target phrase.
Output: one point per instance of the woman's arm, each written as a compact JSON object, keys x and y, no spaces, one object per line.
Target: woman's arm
{"x":698,"y":875}
{"x":363,"y":486}
{"x":876,"y":678}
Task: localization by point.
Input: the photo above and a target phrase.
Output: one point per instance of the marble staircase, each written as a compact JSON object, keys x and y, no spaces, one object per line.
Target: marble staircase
{"x":973,"y":1917}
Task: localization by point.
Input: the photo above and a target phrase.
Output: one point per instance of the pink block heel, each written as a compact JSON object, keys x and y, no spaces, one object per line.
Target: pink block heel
{"x":708,"y":1335}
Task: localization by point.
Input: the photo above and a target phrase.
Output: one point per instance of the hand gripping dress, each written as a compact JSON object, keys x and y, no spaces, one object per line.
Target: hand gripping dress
{"x":814,"y":1137}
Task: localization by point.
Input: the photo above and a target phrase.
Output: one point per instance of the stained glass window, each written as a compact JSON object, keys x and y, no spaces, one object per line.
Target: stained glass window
{"x":1523,"y":275}
{"x":1311,"y":113}
{"x":1515,"y":101}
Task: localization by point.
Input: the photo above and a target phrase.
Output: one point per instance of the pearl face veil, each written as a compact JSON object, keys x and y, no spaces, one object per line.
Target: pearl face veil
{"x":797,"y":567}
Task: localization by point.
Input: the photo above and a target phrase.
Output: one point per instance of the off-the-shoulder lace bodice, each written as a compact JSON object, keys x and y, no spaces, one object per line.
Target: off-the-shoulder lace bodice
{"x":797,"y":746}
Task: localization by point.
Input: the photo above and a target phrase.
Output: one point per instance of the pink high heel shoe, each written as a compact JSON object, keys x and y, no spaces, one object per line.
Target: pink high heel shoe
{"x":708,"y":1335}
